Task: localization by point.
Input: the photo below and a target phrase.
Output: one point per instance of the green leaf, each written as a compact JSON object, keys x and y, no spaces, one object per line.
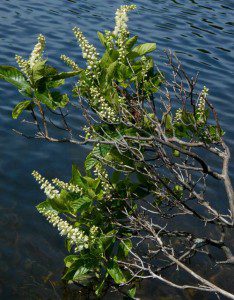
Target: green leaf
{"x":81,"y":274}
{"x":68,"y":245}
{"x":125,"y":247}
{"x":38,"y":70}
{"x":68,"y":276}
{"x":91,"y":193}
{"x":55,"y":83}
{"x":181,"y":130}
{"x":214,"y":133}
{"x":106,"y":60}
{"x":114,"y":54}
{"x":79,"y":204}
{"x":77,"y":178}
{"x":124,"y":73}
{"x":144,"y":49}
{"x":15,"y":77}
{"x":90,"y":162}
{"x":115,"y":272}
{"x":176,"y":153}
{"x":70,"y":259}
{"x":19,"y":108}
{"x":178,"y":188}
{"x":108,"y":239}
{"x":50,"y":71}
{"x":101,"y":150}
{"x":53,"y":100}
{"x":91,"y":182}
{"x":101,"y":38}
{"x":65,"y":75}
{"x":110,"y":71}
{"x":131,"y":42}
{"x":59,"y":100}
{"x":45,"y":99}
{"x":168,"y":121}
{"x":27,"y":92}
{"x":45,"y":205}
{"x":104,"y":149}
{"x":60,"y":203}
{"x":85,"y":266}
{"x":132,"y":293}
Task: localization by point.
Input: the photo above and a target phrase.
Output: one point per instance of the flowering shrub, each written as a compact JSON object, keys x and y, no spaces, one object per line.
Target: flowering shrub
{"x":143,"y":162}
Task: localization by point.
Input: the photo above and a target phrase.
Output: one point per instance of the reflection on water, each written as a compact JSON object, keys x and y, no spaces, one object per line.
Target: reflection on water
{"x":201,"y":32}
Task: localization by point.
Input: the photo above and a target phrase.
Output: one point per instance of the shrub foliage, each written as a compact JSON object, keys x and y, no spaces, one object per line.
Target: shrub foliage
{"x":144,"y":169}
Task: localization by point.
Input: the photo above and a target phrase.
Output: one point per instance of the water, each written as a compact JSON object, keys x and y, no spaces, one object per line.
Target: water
{"x":201,"y":32}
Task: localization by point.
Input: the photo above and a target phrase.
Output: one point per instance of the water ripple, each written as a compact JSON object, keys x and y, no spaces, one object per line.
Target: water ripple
{"x":200,"y":32}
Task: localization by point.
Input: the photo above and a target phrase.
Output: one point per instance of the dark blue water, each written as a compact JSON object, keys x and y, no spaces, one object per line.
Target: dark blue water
{"x":201,"y":32}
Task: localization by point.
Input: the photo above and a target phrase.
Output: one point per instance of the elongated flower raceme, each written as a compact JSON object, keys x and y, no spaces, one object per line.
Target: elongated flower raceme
{"x":121,"y":19}
{"x":101,"y":173}
{"x":202,"y":99}
{"x":88,"y":50}
{"x":201,"y":106}
{"x":121,"y":30}
{"x":109,"y":39}
{"x":67,"y":186}
{"x":104,"y":110}
{"x":50,"y":191}
{"x":76,"y":236}
{"x":37,"y":51}
{"x":70,"y":62}
{"x":178,"y":115}
{"x":23,"y":64}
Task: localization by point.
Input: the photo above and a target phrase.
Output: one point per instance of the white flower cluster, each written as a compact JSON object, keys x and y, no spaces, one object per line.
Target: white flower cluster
{"x":48,"y":188}
{"x":178,"y":115}
{"x":201,"y":106}
{"x":104,"y":110}
{"x":93,"y":231}
{"x":23,"y":64}
{"x":202,"y":100}
{"x":121,"y":29}
{"x":121,"y":19}
{"x":75,"y":236}
{"x":70,"y":62}
{"x":101,"y":173}
{"x":88,"y":50}
{"x":67,"y":186}
{"x":89,"y":132}
{"x":37,"y":51}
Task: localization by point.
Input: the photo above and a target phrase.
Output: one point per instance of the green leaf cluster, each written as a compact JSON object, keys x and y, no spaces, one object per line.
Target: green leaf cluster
{"x":39,"y":86}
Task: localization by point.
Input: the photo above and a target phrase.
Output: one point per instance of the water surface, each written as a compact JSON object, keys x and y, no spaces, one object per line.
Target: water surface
{"x":201,"y":32}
